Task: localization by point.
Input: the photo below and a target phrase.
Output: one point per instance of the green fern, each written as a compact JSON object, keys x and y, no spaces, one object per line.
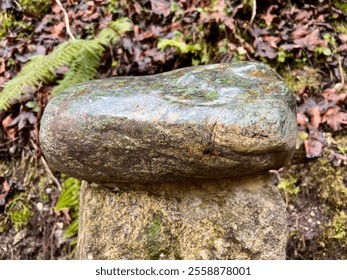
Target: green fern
{"x":82,"y":58}
{"x":69,"y":199}
{"x":83,"y":68}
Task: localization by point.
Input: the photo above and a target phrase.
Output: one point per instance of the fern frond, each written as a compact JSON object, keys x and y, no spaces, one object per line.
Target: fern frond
{"x":70,"y":194}
{"x":114,"y":31}
{"x":80,"y":56}
{"x":39,"y":69}
{"x":69,"y":199}
{"x":83,"y":69}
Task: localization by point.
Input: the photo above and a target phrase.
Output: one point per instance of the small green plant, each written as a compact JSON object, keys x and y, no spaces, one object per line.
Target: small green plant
{"x":289,"y":187}
{"x":81,"y":56}
{"x":69,"y":200}
{"x":199,"y":49}
{"x":330,"y":46}
{"x":282,"y":55}
{"x":18,"y":212}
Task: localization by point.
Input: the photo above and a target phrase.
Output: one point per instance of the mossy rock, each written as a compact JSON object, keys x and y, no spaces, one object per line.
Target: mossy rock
{"x":205,"y":122}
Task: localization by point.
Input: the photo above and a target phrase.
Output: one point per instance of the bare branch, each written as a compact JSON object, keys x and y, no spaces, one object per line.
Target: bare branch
{"x":67,"y":24}
{"x":254,"y":11}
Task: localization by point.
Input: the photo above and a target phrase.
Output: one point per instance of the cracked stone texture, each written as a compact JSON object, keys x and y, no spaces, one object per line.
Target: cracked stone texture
{"x":239,"y":218}
{"x":213,"y":121}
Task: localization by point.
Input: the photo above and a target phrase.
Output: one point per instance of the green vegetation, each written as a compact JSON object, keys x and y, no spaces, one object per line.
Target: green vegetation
{"x":153,"y":238}
{"x":289,"y":187}
{"x":18,"y":212}
{"x":9,"y":24}
{"x":341,"y":4}
{"x":301,"y":77}
{"x":322,"y":185}
{"x":338,"y":227}
{"x":37,"y":8}
{"x":81,"y":56}
{"x":199,"y":49}
{"x":69,"y":201}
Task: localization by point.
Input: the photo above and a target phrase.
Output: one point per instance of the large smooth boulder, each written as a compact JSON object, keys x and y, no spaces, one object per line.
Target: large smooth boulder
{"x":213,"y":121}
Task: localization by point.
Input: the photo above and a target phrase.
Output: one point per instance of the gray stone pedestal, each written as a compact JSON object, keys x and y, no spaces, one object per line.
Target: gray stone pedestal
{"x":239,"y":218}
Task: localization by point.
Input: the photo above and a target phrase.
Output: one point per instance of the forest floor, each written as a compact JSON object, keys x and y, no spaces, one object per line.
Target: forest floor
{"x":304,"y":41}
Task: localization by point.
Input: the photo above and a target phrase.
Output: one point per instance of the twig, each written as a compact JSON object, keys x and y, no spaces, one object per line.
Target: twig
{"x":47,"y":167}
{"x":68,"y":30}
{"x":342,"y":73}
{"x":50,"y":173}
{"x":254,"y":11}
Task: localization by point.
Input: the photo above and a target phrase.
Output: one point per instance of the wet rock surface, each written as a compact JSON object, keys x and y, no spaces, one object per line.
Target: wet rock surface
{"x":213,"y":121}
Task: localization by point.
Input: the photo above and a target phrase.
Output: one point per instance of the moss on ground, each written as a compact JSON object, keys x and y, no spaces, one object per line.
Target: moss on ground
{"x":9,"y":24}
{"x":19,"y":213}
{"x":318,"y":220}
{"x":37,"y":8}
{"x":341,"y":5}
{"x":300,"y":78}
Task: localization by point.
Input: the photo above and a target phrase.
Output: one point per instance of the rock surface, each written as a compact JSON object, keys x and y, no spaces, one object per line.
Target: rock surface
{"x":214,"y":121}
{"x":240,"y":218}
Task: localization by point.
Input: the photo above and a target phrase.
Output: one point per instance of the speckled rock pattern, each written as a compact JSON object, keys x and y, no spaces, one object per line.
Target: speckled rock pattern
{"x":212,"y":121}
{"x":240,"y":218}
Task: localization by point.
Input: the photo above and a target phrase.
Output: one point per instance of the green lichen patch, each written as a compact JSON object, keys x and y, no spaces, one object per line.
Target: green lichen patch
{"x":154,"y":243}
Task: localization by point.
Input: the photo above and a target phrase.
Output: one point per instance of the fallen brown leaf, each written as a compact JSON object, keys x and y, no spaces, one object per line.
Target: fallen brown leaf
{"x":310,"y":41}
{"x":315,"y":117}
{"x":334,"y":118}
{"x":313,"y":147}
{"x":161,"y":7}
{"x":269,"y":17}
{"x":57,"y":29}
{"x":299,"y":32}
{"x":342,"y":48}
{"x":266,"y":50}
{"x":331,"y":95}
